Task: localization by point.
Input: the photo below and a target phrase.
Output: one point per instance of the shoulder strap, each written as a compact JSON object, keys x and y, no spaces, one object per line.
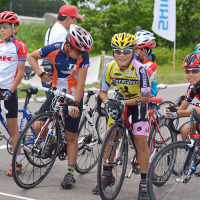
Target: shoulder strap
{"x":49,"y":35}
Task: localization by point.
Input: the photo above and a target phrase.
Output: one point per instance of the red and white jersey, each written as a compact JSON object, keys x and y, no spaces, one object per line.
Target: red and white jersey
{"x":10,"y":54}
{"x":151,"y":68}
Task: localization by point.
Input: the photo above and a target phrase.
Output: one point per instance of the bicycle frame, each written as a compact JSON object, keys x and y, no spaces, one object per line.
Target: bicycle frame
{"x":85,"y":114}
{"x":25,"y":116}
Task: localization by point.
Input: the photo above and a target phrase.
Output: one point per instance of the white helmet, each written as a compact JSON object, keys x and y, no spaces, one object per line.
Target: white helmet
{"x":79,"y":38}
{"x":145,"y":39}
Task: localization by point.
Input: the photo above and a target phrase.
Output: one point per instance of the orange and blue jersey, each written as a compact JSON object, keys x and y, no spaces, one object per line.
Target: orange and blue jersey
{"x":12,"y":52}
{"x":64,"y":69}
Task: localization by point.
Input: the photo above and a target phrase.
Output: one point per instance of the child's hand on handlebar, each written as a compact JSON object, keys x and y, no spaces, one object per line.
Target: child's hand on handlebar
{"x":74,"y":112}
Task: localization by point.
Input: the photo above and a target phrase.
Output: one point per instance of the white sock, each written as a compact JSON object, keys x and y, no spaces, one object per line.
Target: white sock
{"x":18,"y":159}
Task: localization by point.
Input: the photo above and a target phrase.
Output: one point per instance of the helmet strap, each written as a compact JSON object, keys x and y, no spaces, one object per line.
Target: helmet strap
{"x":13,"y":33}
{"x":145,"y":54}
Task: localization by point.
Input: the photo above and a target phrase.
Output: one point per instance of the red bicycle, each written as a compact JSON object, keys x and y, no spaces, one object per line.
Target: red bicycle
{"x":114,"y":150}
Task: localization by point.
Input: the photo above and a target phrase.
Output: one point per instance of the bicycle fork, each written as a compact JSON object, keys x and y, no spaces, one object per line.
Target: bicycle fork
{"x":192,"y":167}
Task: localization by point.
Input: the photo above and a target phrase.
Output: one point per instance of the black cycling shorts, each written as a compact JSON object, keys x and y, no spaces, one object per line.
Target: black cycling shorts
{"x":11,"y":105}
{"x":71,"y":124}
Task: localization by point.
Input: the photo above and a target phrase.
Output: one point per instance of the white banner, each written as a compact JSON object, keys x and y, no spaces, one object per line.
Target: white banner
{"x":164,"y":22}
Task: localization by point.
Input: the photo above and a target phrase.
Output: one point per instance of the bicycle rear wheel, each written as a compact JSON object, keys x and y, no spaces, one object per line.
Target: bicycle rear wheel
{"x":172,"y":157}
{"x":89,"y":145}
{"x":35,"y":167}
{"x":114,"y":152}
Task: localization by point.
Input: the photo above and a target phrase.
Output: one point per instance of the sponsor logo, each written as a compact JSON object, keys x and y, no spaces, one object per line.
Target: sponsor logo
{"x":4,"y":58}
{"x":125,"y":81}
{"x":144,"y":76}
{"x":117,"y":74}
{"x":139,"y":128}
{"x":128,"y":73}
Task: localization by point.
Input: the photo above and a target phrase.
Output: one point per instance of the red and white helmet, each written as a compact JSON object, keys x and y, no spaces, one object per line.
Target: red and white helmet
{"x":9,"y":17}
{"x":79,"y":38}
{"x":145,"y":39}
{"x":192,"y":60}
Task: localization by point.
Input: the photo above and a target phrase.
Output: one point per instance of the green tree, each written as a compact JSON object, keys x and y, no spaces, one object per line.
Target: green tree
{"x":4,"y":2}
{"x":114,"y":16}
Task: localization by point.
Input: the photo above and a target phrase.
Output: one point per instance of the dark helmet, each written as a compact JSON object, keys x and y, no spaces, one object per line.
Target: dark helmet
{"x":192,"y":60}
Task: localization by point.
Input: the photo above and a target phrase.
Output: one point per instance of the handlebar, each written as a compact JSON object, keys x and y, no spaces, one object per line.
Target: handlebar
{"x":3,"y":107}
{"x":39,"y":89}
{"x":2,"y":104}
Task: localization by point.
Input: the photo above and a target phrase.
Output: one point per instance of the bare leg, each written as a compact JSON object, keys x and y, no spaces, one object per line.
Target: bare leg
{"x":13,"y":128}
{"x":186,"y":130}
{"x":143,"y":153}
{"x":72,"y":147}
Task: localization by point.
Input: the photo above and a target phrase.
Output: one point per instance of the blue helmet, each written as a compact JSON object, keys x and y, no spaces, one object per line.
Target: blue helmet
{"x":197,"y":47}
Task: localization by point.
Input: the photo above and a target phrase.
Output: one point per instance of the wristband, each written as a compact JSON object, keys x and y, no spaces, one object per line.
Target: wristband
{"x":42,"y":74}
{"x":76,"y":104}
{"x":9,"y":93}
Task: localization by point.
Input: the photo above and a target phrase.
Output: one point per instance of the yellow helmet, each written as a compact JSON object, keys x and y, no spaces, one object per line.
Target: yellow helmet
{"x":123,"y":40}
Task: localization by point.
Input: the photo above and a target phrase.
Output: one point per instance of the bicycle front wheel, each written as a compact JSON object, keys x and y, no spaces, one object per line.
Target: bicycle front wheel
{"x":90,"y":141}
{"x":35,"y":167}
{"x":114,"y":153}
{"x":175,"y":156}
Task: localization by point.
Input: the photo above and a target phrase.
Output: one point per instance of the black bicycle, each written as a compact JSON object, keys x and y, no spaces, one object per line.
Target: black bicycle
{"x":49,"y":128}
{"x":174,"y":167}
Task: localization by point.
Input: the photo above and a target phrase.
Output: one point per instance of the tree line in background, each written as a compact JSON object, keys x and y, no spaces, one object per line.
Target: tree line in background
{"x":104,"y":18}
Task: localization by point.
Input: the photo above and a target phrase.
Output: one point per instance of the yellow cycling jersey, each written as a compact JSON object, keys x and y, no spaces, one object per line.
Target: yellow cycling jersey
{"x":131,"y":82}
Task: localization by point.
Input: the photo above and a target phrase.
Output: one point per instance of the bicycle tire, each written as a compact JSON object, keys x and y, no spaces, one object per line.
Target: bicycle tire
{"x":89,"y":151}
{"x":101,"y":123}
{"x":119,"y":164}
{"x":89,"y":148}
{"x":34,"y":168}
{"x":154,"y":147}
{"x":161,"y":110}
{"x":172,"y":186}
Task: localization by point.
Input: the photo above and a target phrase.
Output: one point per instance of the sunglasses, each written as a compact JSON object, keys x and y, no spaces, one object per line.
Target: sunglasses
{"x":77,"y":51}
{"x":193,"y":71}
{"x":5,"y":26}
{"x":124,"y":51}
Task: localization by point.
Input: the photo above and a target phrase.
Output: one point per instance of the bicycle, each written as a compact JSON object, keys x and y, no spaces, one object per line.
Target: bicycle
{"x":115,"y":145}
{"x":174,"y":166}
{"x":93,"y":122}
{"x":26,"y":115}
{"x":46,"y":126}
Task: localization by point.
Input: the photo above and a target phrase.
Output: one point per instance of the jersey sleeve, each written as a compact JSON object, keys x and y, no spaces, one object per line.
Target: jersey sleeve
{"x":190,"y":94}
{"x":22,"y":52}
{"x":144,"y":82}
{"x":85,"y":62}
{"x":46,"y":50}
{"x":106,"y":79}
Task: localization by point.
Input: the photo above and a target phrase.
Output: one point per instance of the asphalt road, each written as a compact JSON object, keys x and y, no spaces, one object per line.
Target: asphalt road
{"x":50,"y":188}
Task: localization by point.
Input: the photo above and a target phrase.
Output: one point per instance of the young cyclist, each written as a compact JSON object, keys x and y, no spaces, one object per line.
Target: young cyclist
{"x":13,"y":53}
{"x":191,"y":64}
{"x":145,"y":44}
{"x":180,"y":99}
{"x":132,"y":81}
{"x":70,"y":62}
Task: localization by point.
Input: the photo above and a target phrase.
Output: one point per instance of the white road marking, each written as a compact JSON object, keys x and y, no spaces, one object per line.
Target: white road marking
{"x":3,"y":146}
{"x":15,"y":196}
